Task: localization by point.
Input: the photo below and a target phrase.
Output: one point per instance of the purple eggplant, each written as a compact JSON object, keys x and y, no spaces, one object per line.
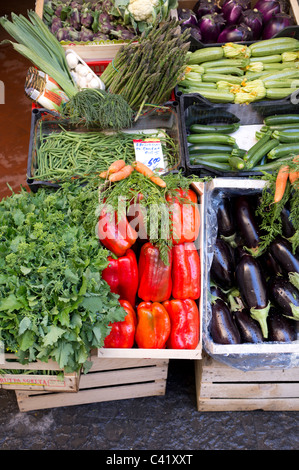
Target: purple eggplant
{"x":250,"y":330}
{"x":270,"y":265}
{"x":252,"y":285}
{"x":211,"y":26}
{"x":225,"y":220}
{"x":285,"y":296}
{"x":217,"y":292}
{"x":206,"y":7}
{"x":222,"y":268}
{"x":253,"y":19}
{"x":235,"y":33}
{"x":232,"y":11}
{"x":277,"y":24}
{"x":268,"y":9}
{"x":281,"y":250}
{"x":187,"y":17}
{"x":280,"y":328}
{"x":288,"y":229}
{"x":222,"y":327}
{"x":246,"y":222}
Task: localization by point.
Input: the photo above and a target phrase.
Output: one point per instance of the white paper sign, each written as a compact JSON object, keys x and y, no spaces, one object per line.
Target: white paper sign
{"x":149,"y":151}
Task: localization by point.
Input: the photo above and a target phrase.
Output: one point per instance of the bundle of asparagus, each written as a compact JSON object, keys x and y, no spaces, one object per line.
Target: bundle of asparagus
{"x":147,"y":70}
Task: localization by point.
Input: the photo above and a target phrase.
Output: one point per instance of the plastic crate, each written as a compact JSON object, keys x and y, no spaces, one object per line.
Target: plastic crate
{"x":290,"y":31}
{"x":192,"y":105}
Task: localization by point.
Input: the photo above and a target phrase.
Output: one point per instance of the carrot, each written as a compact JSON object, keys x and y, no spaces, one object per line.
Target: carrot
{"x":281,"y":182}
{"x":104,"y":174}
{"x":143,"y":169}
{"x":121,"y":174}
{"x":294,"y":174}
{"x":116,"y":166}
{"x":158,"y":181}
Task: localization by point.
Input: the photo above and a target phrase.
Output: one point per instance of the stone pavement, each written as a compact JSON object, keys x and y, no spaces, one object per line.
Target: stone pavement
{"x":169,"y":422}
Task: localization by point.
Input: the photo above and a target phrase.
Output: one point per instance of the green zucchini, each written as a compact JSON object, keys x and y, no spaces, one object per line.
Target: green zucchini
{"x":222,"y":128}
{"x":268,"y":59}
{"x":226,"y":71}
{"x":284,"y":119}
{"x":273,"y":46}
{"x":273,"y":165}
{"x":205,"y":54}
{"x":211,"y":139}
{"x":209,"y":148}
{"x":220,"y":166}
{"x":286,"y":137}
{"x":282,"y":65}
{"x":258,"y":150}
{"x":282,"y":150}
{"x":289,"y":83}
{"x":215,"y":157}
{"x":236,"y":163}
{"x":279,"y":93}
{"x":225,"y":63}
{"x":216,"y":77}
{"x":218,"y":96}
{"x":281,"y":75}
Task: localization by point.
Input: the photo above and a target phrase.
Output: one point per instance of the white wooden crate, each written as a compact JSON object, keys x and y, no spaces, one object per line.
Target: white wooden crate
{"x":223,"y":388}
{"x":41,"y":380}
{"x":107,"y":380}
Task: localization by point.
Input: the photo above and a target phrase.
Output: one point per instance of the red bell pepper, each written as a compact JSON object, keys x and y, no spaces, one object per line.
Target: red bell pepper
{"x":185,"y":271}
{"x":153,"y":325}
{"x":184,"y":319}
{"x":185,"y":216}
{"x":154,"y":276}
{"x":122,"y":334}
{"x":116,"y":235}
{"x":122,"y":276}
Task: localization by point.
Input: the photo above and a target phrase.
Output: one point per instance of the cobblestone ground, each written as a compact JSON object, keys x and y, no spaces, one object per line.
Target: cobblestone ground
{"x":169,"y":422}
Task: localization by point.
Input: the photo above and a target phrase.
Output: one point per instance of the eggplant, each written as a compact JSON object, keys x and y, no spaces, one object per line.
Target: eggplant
{"x":250,"y":330}
{"x":285,"y":296}
{"x":253,"y":290}
{"x":246,"y":222}
{"x":270,"y":265}
{"x":281,"y":250}
{"x":217,"y":292}
{"x":225,"y":220}
{"x":223,"y":329}
{"x":222,"y":268}
{"x":288,"y":230}
{"x":281,"y":328}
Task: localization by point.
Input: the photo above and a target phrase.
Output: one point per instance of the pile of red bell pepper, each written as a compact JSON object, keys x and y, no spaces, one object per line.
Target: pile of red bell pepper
{"x":161,"y":299}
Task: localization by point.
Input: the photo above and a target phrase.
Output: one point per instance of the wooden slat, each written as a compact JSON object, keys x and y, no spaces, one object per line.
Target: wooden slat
{"x":250,"y":390}
{"x":95,"y":395}
{"x":278,"y":404}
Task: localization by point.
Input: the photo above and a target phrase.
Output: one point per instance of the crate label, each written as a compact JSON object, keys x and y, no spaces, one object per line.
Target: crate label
{"x":31,"y":381}
{"x":149,"y":151}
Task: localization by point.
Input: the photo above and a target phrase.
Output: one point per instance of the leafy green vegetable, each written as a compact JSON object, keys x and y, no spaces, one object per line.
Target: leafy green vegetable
{"x":53,"y":302}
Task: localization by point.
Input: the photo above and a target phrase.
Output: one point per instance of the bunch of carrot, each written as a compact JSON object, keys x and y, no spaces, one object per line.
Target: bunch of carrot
{"x":119,"y":170}
{"x":284,"y":174}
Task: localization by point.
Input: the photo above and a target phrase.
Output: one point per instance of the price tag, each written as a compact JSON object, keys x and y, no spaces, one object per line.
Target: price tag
{"x":149,"y":151}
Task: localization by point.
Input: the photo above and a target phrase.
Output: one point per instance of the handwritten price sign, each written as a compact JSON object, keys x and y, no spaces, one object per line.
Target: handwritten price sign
{"x":149,"y":152}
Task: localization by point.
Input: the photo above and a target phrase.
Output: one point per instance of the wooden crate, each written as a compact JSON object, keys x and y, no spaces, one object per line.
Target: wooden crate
{"x":40,"y":381}
{"x":294,"y":7}
{"x":91,"y":51}
{"x":223,"y":388}
{"x":107,"y":380}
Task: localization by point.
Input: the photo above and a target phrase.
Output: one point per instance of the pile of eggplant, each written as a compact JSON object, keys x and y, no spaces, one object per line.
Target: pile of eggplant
{"x":254,"y":299}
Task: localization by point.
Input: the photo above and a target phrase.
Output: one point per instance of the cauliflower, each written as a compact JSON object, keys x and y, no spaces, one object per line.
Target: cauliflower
{"x":143,"y":10}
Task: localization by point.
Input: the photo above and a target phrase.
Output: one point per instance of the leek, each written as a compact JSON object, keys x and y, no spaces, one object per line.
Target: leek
{"x":35,"y":42}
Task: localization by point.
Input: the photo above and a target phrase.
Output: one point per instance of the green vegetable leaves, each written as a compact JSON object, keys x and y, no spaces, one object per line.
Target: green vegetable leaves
{"x":53,"y":302}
